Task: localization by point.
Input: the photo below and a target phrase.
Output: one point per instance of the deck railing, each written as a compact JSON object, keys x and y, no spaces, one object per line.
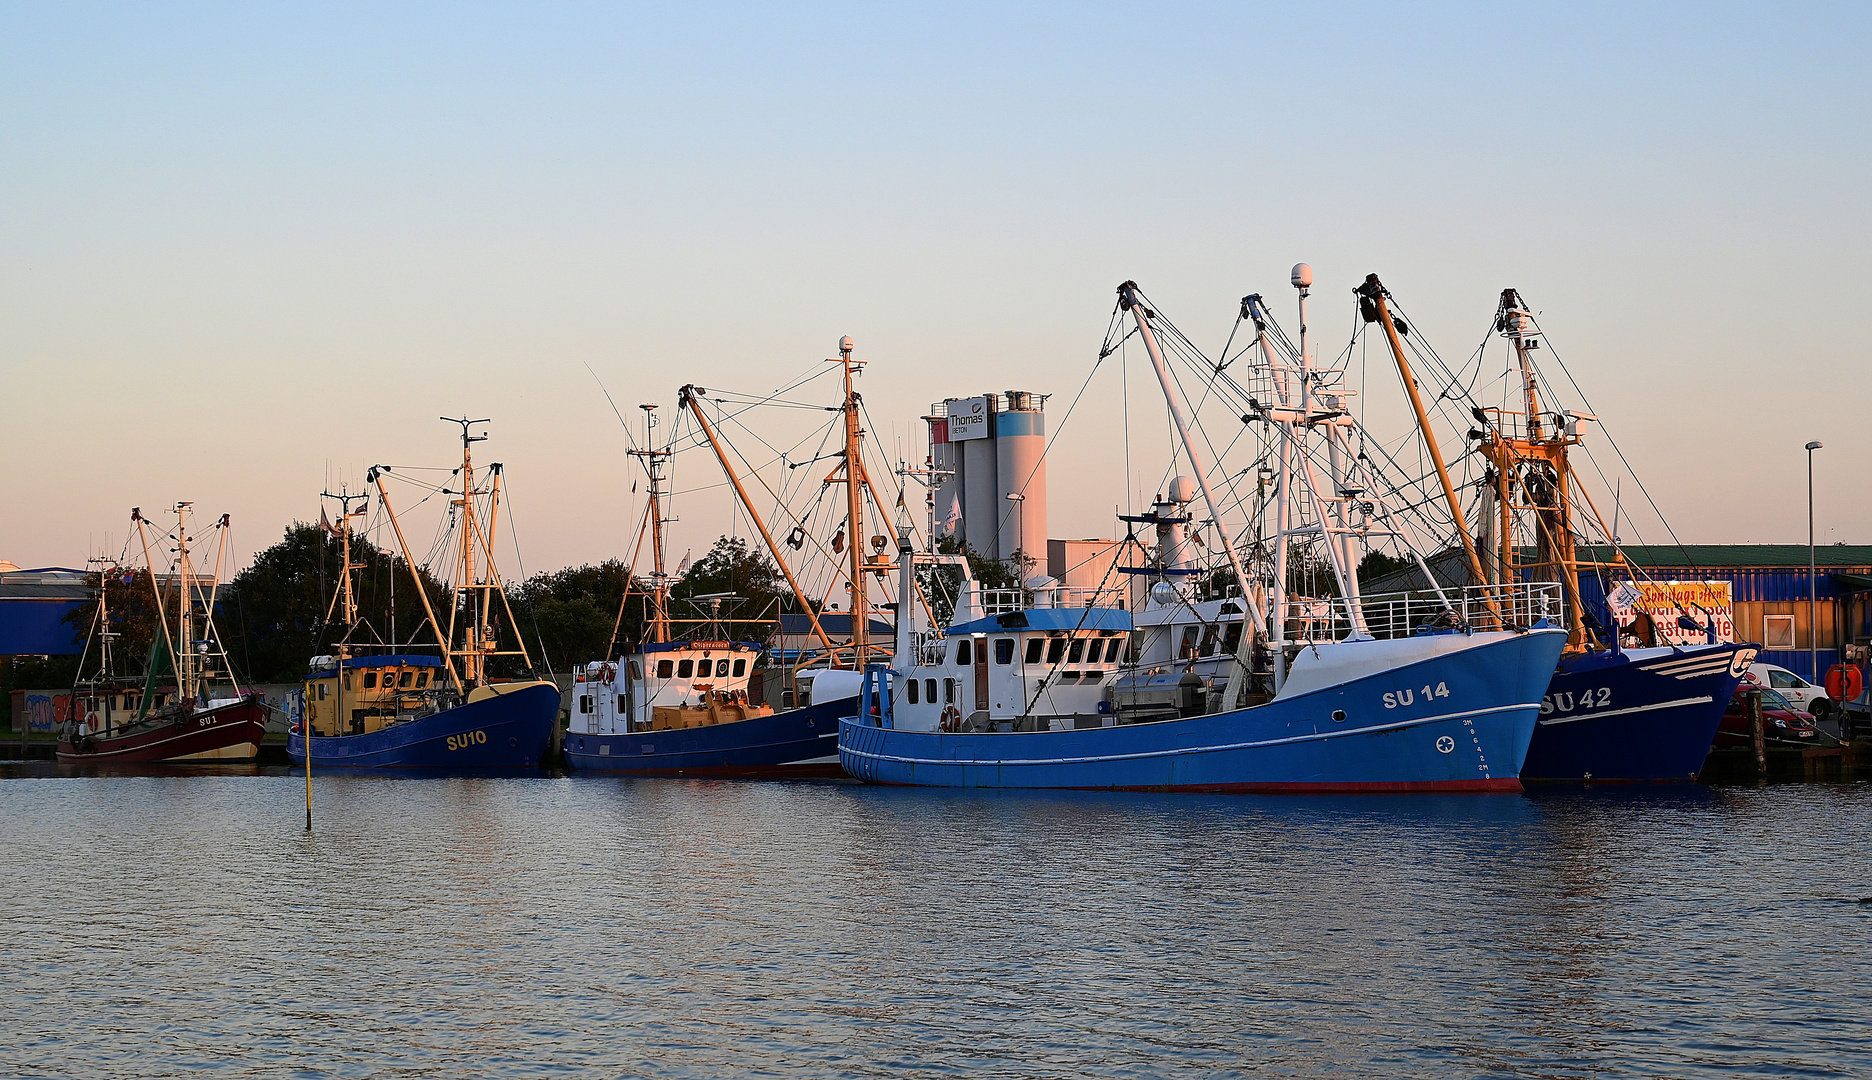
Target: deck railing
{"x":1391,"y":615}
{"x":1002,"y":601}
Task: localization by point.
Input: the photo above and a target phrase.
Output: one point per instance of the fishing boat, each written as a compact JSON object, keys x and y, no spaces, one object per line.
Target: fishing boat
{"x":1611,"y":713}
{"x":153,"y":718}
{"x":1350,"y":692}
{"x":388,"y":707}
{"x":683,"y":707}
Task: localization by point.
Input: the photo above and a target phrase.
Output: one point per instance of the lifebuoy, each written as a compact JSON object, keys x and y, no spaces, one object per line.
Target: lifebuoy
{"x":606,"y":673}
{"x":951,"y":718}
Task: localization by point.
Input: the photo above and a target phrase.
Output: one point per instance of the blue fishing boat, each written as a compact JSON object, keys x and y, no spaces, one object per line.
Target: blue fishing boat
{"x":385,"y":707}
{"x":1635,"y":714}
{"x":1338,"y":691}
{"x":1611,"y":713}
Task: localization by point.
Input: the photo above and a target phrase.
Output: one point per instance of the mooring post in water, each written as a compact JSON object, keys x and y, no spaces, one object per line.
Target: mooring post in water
{"x":305,"y":724}
{"x":1753,"y":703}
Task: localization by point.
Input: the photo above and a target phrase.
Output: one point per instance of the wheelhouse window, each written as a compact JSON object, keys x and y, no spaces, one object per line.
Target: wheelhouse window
{"x":685,"y":669}
{"x":949,"y":686}
{"x":403,"y":679}
{"x":1056,"y":648}
{"x":964,"y":654}
{"x":740,"y":667}
{"x":1093,"y":648}
{"x":913,"y":691}
{"x":1231,"y":641}
{"x":1033,"y":649}
{"x":1004,"y":650}
{"x":422,"y":679}
{"x":636,"y":671}
{"x":1188,"y":648}
{"x":370,"y":680}
{"x":929,"y":690}
{"x":665,"y":668}
{"x":1076,"y":653}
{"x":1209,"y":641}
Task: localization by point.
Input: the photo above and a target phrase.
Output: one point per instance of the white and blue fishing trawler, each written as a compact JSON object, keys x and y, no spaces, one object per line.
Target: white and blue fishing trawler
{"x":684,"y":707}
{"x":392,"y":708}
{"x":1049,"y":687}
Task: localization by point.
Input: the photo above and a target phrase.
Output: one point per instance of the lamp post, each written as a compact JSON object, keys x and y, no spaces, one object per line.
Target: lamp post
{"x":1020,"y":528}
{"x":1813,"y":585}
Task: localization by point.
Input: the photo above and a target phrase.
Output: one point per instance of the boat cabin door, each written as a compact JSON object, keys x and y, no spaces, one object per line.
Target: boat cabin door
{"x":981,"y":673}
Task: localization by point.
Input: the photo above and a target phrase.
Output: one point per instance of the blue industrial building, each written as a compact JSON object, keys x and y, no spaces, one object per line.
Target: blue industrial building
{"x":1769,"y":587}
{"x":33,"y":607}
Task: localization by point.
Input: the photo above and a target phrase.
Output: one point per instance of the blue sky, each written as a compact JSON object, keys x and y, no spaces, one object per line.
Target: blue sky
{"x":246,"y":248}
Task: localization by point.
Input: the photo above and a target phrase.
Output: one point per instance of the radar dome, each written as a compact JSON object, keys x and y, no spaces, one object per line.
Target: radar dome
{"x":1182,"y":490}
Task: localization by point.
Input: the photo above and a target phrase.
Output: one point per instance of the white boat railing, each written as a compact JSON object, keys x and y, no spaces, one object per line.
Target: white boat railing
{"x":1400,"y":614}
{"x":1002,"y":601}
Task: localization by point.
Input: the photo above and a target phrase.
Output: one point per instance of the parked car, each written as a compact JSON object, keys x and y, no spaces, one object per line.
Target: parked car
{"x":1782,"y":723}
{"x":1803,"y":695}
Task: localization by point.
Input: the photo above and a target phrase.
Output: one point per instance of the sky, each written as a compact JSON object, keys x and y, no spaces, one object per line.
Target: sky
{"x":247,"y":250}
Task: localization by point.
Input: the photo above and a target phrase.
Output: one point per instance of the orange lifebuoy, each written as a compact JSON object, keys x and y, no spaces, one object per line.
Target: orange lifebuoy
{"x":951,"y":718}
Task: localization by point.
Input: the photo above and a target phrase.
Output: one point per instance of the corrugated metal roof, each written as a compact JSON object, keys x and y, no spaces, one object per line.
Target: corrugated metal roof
{"x":1764,"y":556}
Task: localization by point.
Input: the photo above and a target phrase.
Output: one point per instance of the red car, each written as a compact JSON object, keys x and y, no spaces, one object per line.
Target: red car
{"x":1782,"y":723}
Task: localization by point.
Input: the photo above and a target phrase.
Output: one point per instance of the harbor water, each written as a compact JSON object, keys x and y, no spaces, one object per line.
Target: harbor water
{"x":184,"y":923}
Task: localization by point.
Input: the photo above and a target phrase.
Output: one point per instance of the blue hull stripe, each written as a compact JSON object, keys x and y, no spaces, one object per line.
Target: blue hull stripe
{"x":1221,"y":748}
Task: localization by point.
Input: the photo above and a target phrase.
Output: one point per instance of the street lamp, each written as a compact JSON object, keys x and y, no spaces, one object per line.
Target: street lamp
{"x":1020,"y":527}
{"x":1813,"y":585}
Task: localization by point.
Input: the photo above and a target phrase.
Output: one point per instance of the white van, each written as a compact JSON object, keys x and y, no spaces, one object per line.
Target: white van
{"x":1804,"y":695}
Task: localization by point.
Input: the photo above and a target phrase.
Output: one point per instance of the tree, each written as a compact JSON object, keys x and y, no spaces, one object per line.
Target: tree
{"x":279,"y":613}
{"x":568,"y":615}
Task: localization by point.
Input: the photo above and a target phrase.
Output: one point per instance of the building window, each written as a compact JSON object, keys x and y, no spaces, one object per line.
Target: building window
{"x":963,"y":656}
{"x":685,"y":669}
{"x":1778,"y":631}
{"x":929,"y":691}
{"x":1004,"y":650}
{"x":740,"y":667}
{"x":1033,"y":649}
{"x":913,"y":692}
{"x":1056,"y":649}
{"x":665,"y":668}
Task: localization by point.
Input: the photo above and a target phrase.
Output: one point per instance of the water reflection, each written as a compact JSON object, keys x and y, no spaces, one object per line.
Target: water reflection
{"x":180,"y":921}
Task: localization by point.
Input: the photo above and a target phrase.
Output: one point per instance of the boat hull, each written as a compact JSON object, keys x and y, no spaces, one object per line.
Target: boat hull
{"x":1644,"y":716}
{"x":503,"y":732}
{"x":799,"y":743}
{"x":1470,"y":733}
{"x":231,"y":732}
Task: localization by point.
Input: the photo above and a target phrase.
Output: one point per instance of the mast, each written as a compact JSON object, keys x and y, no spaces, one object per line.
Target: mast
{"x":473,"y":662}
{"x":860,"y":603}
{"x":185,"y":621}
{"x":1373,"y":305}
{"x":1128,"y":300}
{"x":1537,"y":463}
{"x":653,"y":460}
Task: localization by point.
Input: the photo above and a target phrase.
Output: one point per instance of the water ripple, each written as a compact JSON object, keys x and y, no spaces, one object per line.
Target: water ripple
{"x":171,"y":925}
